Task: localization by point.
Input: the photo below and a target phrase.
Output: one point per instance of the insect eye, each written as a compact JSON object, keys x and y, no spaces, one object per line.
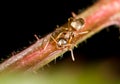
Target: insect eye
{"x":62,"y":41}
{"x":77,"y":24}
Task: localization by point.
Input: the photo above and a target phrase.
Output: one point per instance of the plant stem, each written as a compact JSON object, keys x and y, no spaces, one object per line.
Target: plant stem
{"x":102,"y":14}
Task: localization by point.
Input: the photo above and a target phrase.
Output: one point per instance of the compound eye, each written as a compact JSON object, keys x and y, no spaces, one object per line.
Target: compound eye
{"x":77,"y":24}
{"x":61,"y":42}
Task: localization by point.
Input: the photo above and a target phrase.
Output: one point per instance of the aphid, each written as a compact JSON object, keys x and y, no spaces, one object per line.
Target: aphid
{"x":63,"y":36}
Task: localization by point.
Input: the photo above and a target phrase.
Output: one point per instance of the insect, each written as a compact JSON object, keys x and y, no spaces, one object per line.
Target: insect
{"x":63,"y":36}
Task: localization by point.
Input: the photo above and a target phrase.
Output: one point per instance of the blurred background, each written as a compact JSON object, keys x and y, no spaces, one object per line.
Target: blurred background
{"x":98,"y":58}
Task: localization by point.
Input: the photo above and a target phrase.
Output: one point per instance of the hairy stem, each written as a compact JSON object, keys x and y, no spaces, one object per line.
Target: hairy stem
{"x":102,"y":14}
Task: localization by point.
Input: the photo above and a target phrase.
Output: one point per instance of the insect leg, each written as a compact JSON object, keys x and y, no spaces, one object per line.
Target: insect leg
{"x":84,"y":32}
{"x":46,"y":45}
{"x":53,"y":39}
{"x":72,"y":55}
{"x":46,"y":41}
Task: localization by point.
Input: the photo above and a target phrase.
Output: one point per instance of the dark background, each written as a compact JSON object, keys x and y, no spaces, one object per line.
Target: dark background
{"x":21,"y":20}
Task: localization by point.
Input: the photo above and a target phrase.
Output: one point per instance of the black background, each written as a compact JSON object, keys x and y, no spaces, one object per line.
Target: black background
{"x":21,"y":20}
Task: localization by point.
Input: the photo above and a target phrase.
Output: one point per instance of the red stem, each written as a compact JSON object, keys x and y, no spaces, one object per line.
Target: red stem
{"x":103,"y":13}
